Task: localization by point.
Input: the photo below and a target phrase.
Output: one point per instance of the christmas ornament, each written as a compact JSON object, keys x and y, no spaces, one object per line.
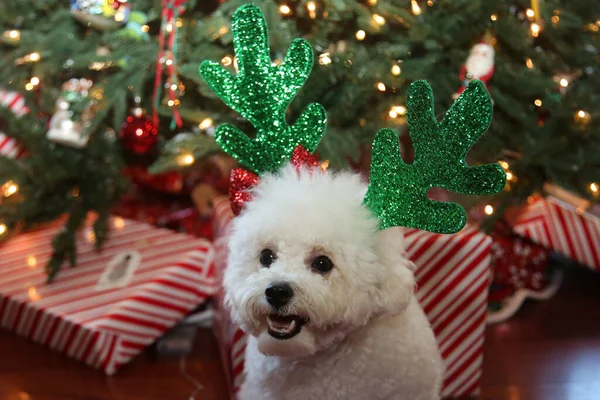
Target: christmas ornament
{"x":136,"y":27}
{"x":167,"y":59}
{"x":397,"y":194}
{"x":479,"y":65}
{"x":73,"y":114}
{"x":138,"y":133}
{"x":101,"y":14}
{"x":261,"y":93}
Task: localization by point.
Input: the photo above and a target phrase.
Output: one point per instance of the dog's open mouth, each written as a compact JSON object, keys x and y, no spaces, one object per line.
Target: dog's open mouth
{"x":285,"y":326}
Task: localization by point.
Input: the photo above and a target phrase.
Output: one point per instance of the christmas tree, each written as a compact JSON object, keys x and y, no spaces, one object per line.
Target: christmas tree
{"x":81,"y":66}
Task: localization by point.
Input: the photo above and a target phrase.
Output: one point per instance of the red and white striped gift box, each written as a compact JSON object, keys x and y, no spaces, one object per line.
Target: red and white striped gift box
{"x":452,"y":287}
{"x":560,"y":226}
{"x":14,"y":101}
{"x":105,"y":327}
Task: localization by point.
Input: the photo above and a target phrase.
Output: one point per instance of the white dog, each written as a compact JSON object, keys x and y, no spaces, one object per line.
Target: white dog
{"x":327,"y":299}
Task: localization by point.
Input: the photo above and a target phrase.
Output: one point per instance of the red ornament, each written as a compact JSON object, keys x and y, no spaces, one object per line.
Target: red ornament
{"x":138,"y":133}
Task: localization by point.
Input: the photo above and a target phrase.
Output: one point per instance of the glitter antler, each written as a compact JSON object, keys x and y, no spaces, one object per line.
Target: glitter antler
{"x":397,"y":192}
{"x":261,"y":93}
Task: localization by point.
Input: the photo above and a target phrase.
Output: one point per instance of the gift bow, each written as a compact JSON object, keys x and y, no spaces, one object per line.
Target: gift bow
{"x":241,"y":180}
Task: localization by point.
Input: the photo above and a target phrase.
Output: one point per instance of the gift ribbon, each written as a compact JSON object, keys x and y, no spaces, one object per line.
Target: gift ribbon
{"x":241,"y":180}
{"x":171,"y":9}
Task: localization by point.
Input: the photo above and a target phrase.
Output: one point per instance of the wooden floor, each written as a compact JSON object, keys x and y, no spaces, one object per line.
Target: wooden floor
{"x":549,"y":351}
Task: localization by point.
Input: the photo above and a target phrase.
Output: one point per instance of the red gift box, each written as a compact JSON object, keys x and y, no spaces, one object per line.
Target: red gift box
{"x":9,"y":147}
{"x":452,"y":280}
{"x":520,"y":272}
{"x":114,"y":303}
{"x":562,"y":227}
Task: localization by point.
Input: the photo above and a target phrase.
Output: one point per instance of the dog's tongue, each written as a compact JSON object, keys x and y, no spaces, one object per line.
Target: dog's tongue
{"x":281,"y":322}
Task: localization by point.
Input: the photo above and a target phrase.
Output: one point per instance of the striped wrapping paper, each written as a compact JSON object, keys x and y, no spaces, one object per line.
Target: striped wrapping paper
{"x":14,"y":101}
{"x":559,"y":226}
{"x":103,"y":327}
{"x":452,"y":287}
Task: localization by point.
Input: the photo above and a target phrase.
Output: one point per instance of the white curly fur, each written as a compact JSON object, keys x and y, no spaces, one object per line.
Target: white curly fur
{"x":367,"y":337}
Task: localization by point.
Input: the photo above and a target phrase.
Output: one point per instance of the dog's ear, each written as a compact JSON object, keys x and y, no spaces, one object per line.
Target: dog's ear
{"x":397,"y":283}
{"x":392,"y":249}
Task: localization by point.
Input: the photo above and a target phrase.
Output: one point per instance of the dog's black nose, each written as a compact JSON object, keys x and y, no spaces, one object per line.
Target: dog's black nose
{"x":279,"y":294}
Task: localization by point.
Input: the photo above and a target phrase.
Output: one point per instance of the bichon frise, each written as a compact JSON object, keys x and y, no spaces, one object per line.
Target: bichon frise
{"x":327,"y":299}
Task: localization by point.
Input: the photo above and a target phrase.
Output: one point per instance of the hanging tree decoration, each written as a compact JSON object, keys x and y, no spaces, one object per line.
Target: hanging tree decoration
{"x":138,"y":133}
{"x":73,"y":115}
{"x":479,"y":64}
{"x":167,"y":59}
{"x":101,"y":14}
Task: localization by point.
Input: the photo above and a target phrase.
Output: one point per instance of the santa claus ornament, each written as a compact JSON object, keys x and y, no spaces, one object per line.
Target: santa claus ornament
{"x":479,"y":65}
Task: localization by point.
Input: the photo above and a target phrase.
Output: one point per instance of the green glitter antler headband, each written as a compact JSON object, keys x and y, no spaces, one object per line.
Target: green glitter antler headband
{"x":261,"y":93}
{"x":397,"y":193}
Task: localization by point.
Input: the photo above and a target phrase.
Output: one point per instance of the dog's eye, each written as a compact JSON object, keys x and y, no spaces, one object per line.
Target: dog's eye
{"x":267,"y":257}
{"x":322,"y":264}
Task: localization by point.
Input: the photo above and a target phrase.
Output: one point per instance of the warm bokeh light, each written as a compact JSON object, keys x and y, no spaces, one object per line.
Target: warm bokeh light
{"x":530,"y":14}
{"x":119,"y":223}
{"x":227,"y":61}
{"x":401,"y":110}
{"x":206,"y":123}
{"x":489,"y":210}
{"x":379,"y":20}
{"x":33,"y":294}
{"x":10,"y":188}
{"x":285,"y":9}
{"x":414,"y":6}
{"x":324,"y":59}
{"x":529,"y":63}
{"x":360,"y":35}
{"x":186,"y":159}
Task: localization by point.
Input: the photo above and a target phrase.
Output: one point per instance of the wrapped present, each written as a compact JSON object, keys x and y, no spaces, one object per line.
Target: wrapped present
{"x":9,"y":147}
{"x":563,"y":227}
{"x":114,"y":303}
{"x":165,"y":210}
{"x":452,"y":280}
{"x":520,"y":271}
